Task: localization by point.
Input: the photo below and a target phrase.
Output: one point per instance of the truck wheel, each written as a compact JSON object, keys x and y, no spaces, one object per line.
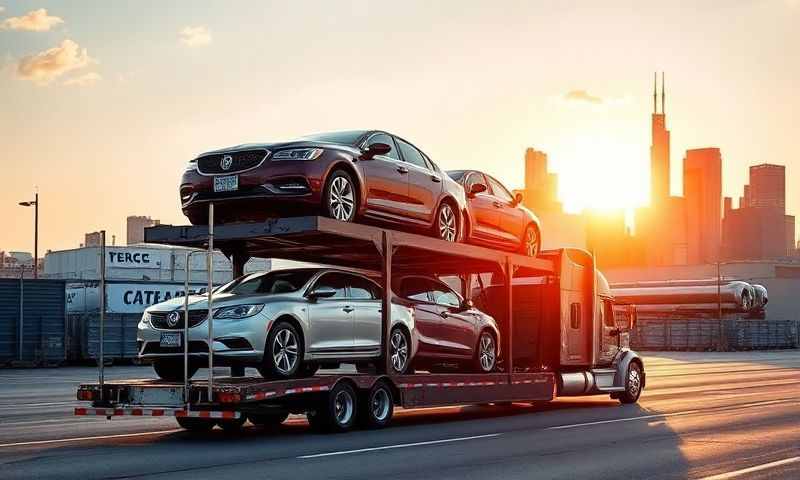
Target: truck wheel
{"x":633,"y":384}
{"x":486,"y":353}
{"x":232,"y":425}
{"x":267,"y":420}
{"x":283,"y":355}
{"x":399,"y":350}
{"x":171,"y":369}
{"x":336,"y":411}
{"x":377,"y":407}
{"x":195,"y":424}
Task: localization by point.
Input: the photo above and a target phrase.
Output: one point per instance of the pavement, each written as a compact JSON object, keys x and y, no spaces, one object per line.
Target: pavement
{"x":711,"y":416}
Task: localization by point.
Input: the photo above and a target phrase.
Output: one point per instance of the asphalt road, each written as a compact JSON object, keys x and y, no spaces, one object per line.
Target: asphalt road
{"x":703,"y":415}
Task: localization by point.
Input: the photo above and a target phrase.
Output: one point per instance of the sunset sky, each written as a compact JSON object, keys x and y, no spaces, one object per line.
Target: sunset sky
{"x":103,"y":102}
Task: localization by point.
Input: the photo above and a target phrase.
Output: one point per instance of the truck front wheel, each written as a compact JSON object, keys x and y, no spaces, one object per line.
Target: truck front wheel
{"x":633,"y":384}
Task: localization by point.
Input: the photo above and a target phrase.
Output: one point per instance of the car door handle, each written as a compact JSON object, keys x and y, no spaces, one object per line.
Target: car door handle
{"x":445,"y":314}
{"x":436,"y":179}
{"x":348,"y":309}
{"x":497,"y":204}
{"x":402,"y":170}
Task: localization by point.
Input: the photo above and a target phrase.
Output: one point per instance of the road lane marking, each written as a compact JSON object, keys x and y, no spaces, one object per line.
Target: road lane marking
{"x":757,"y":468}
{"x":81,"y":439}
{"x":401,"y":445}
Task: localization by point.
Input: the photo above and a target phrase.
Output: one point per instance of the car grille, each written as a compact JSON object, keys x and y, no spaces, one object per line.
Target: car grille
{"x":240,"y":161}
{"x":159,"y":319}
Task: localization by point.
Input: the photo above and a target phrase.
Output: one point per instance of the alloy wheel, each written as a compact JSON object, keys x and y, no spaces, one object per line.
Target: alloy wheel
{"x":447,"y":223}
{"x":399,"y":351}
{"x":531,"y":242}
{"x":284,"y":351}
{"x":486,"y":353}
{"x":634,"y":382}
{"x":341,"y":199}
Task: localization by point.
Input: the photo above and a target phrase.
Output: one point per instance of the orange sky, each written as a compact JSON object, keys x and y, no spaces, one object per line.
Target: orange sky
{"x":102,"y":103}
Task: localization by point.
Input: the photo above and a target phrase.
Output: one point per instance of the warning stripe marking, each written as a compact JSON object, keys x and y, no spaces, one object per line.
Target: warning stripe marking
{"x":155,"y":412}
{"x":288,"y":391}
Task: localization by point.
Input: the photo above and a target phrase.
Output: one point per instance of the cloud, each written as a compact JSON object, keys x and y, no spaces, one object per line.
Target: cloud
{"x":195,"y":36}
{"x":34,"y":21}
{"x":46,"y":66}
{"x":582,"y":96}
{"x":84,"y":80}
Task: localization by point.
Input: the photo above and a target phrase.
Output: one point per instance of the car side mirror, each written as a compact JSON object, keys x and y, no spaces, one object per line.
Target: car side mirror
{"x":375,"y":149}
{"x":466,"y":304}
{"x":321,"y":292}
{"x":476,"y":188}
{"x":202,"y":291}
{"x":517,"y":199}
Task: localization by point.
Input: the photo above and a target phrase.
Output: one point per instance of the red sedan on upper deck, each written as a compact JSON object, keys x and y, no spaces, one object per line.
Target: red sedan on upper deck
{"x":367,"y":175}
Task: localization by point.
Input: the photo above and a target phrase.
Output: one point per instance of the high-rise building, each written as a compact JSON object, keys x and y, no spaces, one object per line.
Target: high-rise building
{"x":768,"y":186}
{"x":659,"y":151}
{"x":136,"y":226}
{"x":541,"y":186}
{"x":702,"y":189}
{"x":93,"y":239}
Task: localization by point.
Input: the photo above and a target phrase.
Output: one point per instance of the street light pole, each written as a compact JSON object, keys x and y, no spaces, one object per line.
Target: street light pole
{"x":35,"y":204}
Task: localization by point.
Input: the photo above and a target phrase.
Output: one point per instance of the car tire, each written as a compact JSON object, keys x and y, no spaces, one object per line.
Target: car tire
{"x":171,"y":369}
{"x":486,"y":353}
{"x":267,"y":420}
{"x":340,"y":197}
{"x":195,"y":424}
{"x":634,"y":379}
{"x":283,"y":353}
{"x":446,"y":224}
{"x":336,"y":410}
{"x":531,"y":241}
{"x":232,"y":425}
{"x":377,"y":406}
{"x":399,"y":351}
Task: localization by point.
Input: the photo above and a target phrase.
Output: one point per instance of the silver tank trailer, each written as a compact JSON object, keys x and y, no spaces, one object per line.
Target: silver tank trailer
{"x":738,"y":296}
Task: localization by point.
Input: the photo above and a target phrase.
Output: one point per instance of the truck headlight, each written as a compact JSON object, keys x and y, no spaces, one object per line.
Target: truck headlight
{"x":298,"y":154}
{"x":237,"y":312}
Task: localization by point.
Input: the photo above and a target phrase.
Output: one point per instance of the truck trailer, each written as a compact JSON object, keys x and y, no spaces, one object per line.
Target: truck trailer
{"x":562,"y":333}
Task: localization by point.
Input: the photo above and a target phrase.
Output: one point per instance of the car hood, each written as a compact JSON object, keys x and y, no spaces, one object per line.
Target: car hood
{"x":283,"y":145}
{"x":200,"y":302}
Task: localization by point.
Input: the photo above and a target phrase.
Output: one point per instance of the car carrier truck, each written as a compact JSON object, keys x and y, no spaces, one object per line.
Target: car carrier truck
{"x":562,"y":333}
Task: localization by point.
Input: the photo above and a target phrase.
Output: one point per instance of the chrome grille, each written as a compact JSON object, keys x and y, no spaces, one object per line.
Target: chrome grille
{"x":159,"y":319}
{"x":239,"y":161}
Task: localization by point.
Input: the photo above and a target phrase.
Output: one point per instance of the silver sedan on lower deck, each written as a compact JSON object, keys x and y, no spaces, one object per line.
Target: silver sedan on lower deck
{"x":286,"y":323}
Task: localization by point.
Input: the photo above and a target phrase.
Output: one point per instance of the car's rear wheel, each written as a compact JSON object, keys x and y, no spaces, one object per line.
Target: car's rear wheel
{"x":340,"y":197}
{"x":486,"y":354}
{"x":532,"y":241}
{"x":283,"y":355}
{"x":399,"y":350}
{"x":447,"y":227}
{"x":171,"y":369}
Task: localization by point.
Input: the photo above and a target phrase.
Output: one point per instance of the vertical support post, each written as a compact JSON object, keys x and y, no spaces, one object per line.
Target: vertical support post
{"x":102,"y":295}
{"x":36,"y":236}
{"x":21,"y":323}
{"x":510,"y":316}
{"x":186,"y":331}
{"x":720,"y":346}
{"x":210,"y":270}
{"x":386,"y":298}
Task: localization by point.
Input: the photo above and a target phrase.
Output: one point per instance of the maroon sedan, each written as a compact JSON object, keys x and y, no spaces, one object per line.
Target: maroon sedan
{"x":368,"y":176}
{"x":495,"y":217}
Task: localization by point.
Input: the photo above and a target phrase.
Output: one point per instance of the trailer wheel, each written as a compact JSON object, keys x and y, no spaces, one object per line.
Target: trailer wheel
{"x":336,"y":411}
{"x":171,"y":369}
{"x":268,"y":419}
{"x":633,"y":384}
{"x":232,"y":425}
{"x":195,"y":424}
{"x":377,"y":407}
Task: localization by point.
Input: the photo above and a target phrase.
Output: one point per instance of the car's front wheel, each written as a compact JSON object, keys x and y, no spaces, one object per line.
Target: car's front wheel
{"x":283,"y":355}
{"x":446,"y":225}
{"x":399,"y":350}
{"x":532,"y":241}
{"x":171,"y":369}
{"x":486,"y":355}
{"x":340,"y":197}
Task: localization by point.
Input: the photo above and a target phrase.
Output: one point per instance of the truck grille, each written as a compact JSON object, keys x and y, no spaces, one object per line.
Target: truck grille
{"x":239,"y":161}
{"x":159,"y":319}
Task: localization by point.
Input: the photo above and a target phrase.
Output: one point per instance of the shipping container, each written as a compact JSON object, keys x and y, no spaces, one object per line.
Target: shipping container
{"x":34,"y":311}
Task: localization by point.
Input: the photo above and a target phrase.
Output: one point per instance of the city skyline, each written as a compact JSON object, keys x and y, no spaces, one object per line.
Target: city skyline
{"x":108,"y":136}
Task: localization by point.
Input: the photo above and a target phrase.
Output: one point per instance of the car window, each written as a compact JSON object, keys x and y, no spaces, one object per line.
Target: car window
{"x":384,"y":138}
{"x":363,"y":289}
{"x":499,"y":191}
{"x":336,"y":281}
{"x":279,"y":281}
{"x":412,"y":155}
{"x":475,"y":178}
{"x":415,"y":288}
{"x":444,"y":296}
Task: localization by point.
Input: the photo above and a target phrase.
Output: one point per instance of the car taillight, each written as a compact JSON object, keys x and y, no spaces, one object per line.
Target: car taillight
{"x":86,"y":394}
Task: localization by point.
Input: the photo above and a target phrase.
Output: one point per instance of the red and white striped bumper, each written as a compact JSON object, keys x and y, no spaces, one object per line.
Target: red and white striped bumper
{"x":155,"y":412}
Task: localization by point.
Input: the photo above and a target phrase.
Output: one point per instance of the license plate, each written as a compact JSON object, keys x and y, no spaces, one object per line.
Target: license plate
{"x":170,"y":339}
{"x":226,"y":184}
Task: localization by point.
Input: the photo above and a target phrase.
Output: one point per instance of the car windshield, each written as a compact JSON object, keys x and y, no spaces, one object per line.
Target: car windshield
{"x":456,"y":175}
{"x":265,"y":283}
{"x":346,"y":138}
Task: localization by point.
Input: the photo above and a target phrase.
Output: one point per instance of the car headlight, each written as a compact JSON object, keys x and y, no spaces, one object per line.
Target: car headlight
{"x":145,"y":321}
{"x":238,"y":311}
{"x":191,"y":166}
{"x":298,"y":154}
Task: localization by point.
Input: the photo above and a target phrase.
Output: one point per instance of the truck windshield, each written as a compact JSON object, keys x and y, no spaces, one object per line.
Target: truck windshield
{"x":265,"y":283}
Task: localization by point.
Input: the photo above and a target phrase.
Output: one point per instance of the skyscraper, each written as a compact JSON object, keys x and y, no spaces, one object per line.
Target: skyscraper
{"x":659,"y":150}
{"x":702,"y":188}
{"x":768,"y":186}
